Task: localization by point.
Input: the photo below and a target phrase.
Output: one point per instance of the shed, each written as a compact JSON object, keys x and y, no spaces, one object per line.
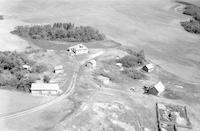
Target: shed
{"x":157,"y":89}
{"x":44,"y":89}
{"x":148,"y":67}
{"x":58,"y":69}
{"x":27,"y":67}
{"x":104,"y":79}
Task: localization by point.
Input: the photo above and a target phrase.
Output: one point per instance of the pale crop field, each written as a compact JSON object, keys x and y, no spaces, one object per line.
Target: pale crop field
{"x":152,"y":25}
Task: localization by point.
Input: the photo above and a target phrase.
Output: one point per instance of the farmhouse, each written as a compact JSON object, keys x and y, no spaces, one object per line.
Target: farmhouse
{"x":148,"y":67}
{"x":78,"y":49}
{"x":157,"y":89}
{"x":58,"y":69}
{"x":44,"y":89}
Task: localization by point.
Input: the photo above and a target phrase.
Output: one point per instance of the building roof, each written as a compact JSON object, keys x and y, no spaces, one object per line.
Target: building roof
{"x":59,"y":67}
{"x":79,"y":46}
{"x":150,"y":66}
{"x":44,"y":86}
{"x":159,"y":87}
{"x":26,"y":66}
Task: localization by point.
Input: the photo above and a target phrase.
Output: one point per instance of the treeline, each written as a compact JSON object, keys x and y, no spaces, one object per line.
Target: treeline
{"x":60,"y":31}
{"x":12,"y":73}
{"x":192,"y":25}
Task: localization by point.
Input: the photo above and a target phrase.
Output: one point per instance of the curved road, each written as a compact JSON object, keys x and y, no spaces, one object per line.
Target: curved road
{"x":56,"y":100}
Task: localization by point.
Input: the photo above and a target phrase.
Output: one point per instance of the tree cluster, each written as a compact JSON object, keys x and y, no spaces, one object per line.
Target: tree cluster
{"x":60,"y":31}
{"x":12,"y":73}
{"x":134,"y":59}
{"x":193,"y":25}
{"x":131,"y":61}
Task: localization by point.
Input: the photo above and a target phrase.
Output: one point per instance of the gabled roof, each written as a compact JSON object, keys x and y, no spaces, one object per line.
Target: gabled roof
{"x":159,"y":87}
{"x":44,"y":86}
{"x":26,"y":66}
{"x":150,"y":66}
{"x":59,"y":67}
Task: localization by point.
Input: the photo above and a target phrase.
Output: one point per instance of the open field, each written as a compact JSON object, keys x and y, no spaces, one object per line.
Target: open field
{"x":150,"y":25}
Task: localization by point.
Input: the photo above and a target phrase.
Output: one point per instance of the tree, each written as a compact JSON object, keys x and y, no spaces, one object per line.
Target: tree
{"x":46,"y":79}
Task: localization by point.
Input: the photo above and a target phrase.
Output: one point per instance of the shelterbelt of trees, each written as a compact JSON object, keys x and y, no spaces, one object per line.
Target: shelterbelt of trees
{"x":131,"y":61}
{"x":192,"y":25}
{"x":12,"y":73}
{"x":60,"y":31}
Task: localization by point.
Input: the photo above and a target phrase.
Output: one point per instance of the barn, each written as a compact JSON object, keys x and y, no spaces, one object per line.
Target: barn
{"x":157,"y":89}
{"x":46,"y":89}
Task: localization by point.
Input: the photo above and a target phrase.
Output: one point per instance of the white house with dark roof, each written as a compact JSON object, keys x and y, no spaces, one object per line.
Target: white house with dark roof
{"x":78,"y":49}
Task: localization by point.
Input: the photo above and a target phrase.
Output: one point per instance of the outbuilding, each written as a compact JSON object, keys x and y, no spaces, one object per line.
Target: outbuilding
{"x":156,"y":89}
{"x":148,"y":68}
{"x":58,"y":69}
{"x":78,"y":49}
{"x":26,"y":67}
{"x":38,"y":89}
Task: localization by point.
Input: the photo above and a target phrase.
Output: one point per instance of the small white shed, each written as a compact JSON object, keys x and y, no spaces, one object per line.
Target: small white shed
{"x":58,"y":69}
{"x":148,"y":67}
{"x":27,"y":67}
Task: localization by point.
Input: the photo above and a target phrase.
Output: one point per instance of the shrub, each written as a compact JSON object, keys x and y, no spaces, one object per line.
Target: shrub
{"x":46,"y":79}
{"x":133,"y":59}
{"x":38,"y":68}
{"x":192,"y":26}
{"x":134,"y":74}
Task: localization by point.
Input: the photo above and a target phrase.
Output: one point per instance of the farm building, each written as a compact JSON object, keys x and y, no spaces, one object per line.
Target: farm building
{"x":58,"y":69}
{"x":91,"y":63}
{"x":78,"y":49}
{"x":120,"y":66}
{"x":27,"y":67}
{"x":157,"y":89}
{"x":148,"y":67}
{"x":44,"y":89}
{"x":104,"y":79}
